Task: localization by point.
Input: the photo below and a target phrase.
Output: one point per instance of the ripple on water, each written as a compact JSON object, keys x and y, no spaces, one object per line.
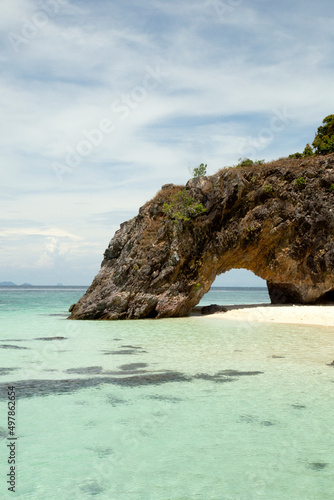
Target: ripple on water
{"x":8,"y":346}
{"x":237,"y":373}
{"x":226,"y":375}
{"x":3,"y":433}
{"x":92,"y":488}
{"x":7,"y":371}
{"x":94,"y":370}
{"x":251,"y":419}
{"x":169,"y":399}
{"x":131,"y":347}
{"x":51,"y":338}
{"x":115,"y":401}
{"x":100,"y":451}
{"x":122,"y":351}
{"x":133,"y":366}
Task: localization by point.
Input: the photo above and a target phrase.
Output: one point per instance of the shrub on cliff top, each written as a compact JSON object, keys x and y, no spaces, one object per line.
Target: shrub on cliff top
{"x":246,"y":162}
{"x":323,"y":143}
{"x":308,"y":151}
{"x":324,"y":140}
{"x":199,"y":171}
{"x":182,"y":207}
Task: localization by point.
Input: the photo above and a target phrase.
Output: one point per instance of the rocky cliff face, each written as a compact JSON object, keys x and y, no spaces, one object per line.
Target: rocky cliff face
{"x":276,"y":220}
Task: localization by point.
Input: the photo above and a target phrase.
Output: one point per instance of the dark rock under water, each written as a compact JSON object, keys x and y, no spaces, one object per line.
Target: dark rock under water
{"x":135,"y":378}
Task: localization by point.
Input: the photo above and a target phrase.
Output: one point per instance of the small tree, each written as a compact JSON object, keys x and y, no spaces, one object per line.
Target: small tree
{"x":199,"y":171}
{"x":308,"y":151}
{"x":324,"y":140}
{"x":182,"y":207}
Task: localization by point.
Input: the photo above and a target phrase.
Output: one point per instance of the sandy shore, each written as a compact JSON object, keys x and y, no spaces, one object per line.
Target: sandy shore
{"x":322,"y":315}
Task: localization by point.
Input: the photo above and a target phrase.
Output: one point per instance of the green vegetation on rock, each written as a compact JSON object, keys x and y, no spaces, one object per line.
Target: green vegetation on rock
{"x":200,"y":171}
{"x":300,"y":182}
{"x":323,"y":143}
{"x":246,"y":162}
{"x":268,"y":188}
{"x":324,"y":140}
{"x":308,"y":151}
{"x":182,"y":207}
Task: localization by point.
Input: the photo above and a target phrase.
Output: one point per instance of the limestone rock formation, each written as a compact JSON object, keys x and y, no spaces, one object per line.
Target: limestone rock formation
{"x":276,"y":220}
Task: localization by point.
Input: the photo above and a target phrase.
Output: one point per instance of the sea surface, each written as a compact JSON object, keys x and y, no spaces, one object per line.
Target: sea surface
{"x":175,"y":409}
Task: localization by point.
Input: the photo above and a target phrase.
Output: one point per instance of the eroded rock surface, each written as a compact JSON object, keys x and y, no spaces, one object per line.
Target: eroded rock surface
{"x":276,"y":220}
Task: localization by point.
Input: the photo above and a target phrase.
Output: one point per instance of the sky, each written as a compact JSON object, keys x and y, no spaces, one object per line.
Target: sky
{"x":102,"y":102}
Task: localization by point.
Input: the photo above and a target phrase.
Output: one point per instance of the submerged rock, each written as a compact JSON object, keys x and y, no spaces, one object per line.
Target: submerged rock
{"x":317,"y":465}
{"x":261,"y":218}
{"x":51,"y":338}
{"x":212,"y":309}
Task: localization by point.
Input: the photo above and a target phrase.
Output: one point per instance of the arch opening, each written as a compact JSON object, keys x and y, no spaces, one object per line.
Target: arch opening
{"x":236,"y":287}
{"x":239,"y":278}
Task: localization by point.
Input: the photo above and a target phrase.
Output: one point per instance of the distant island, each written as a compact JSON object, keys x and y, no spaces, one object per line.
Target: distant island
{"x":10,"y":283}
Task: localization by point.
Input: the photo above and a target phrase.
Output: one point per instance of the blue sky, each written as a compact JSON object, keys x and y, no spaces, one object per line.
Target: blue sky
{"x":104,"y":101}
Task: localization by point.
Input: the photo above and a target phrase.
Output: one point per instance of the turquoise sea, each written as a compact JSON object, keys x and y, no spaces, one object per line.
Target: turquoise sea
{"x":176,"y":409}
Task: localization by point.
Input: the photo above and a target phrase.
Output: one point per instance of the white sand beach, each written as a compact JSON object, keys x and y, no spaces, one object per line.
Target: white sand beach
{"x":322,"y":315}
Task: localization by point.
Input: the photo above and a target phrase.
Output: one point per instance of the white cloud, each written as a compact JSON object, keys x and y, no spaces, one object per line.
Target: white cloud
{"x":49,"y":233}
{"x":13,"y":13}
{"x":226,"y":71}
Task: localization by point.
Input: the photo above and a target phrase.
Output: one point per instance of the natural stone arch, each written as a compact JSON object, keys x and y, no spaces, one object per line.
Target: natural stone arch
{"x":239,"y":278}
{"x":261,"y":218}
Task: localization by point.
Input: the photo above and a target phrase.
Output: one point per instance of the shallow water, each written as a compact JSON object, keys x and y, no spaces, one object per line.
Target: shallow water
{"x":189,"y":408}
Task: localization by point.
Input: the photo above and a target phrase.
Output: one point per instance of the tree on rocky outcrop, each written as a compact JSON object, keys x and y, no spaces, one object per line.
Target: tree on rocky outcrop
{"x":323,"y":143}
{"x":308,"y":151}
{"x":324,"y":140}
{"x":199,"y":171}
